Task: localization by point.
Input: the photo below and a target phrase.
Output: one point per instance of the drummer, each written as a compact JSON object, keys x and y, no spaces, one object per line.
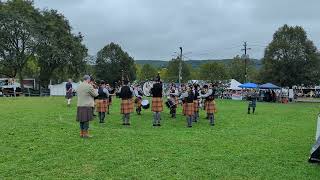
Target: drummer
{"x":137,"y":93}
{"x":157,"y":106}
{"x":174,"y":94}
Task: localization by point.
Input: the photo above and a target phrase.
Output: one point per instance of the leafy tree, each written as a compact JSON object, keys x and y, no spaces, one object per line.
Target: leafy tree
{"x":17,"y":35}
{"x":112,"y":62}
{"x":147,"y":72}
{"x":213,"y":72}
{"x":291,"y":58}
{"x":237,"y":70}
{"x":173,"y":71}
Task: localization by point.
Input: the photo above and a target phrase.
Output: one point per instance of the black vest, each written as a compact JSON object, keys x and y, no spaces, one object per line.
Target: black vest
{"x":125,"y":93}
{"x":156,"y":90}
{"x":102,"y":95}
{"x":190,"y":97}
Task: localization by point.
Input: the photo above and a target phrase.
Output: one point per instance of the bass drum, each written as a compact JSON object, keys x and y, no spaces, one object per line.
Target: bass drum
{"x":147,"y":87}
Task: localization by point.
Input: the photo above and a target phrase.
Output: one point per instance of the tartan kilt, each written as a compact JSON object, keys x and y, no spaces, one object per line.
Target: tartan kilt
{"x":126,"y":106}
{"x":157,"y":104}
{"x":84,"y":114}
{"x":211,"y":107}
{"x":196,"y":105}
{"x":101,"y":105}
{"x":137,"y":102}
{"x":184,"y":108}
{"x":69,"y":95}
{"x":189,"y":109}
{"x":176,"y":100}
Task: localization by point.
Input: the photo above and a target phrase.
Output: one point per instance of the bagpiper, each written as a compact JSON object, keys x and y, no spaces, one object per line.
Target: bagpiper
{"x":137,"y":93}
{"x":210,"y":103}
{"x":69,"y":92}
{"x":125,"y":93}
{"x":157,"y":104}
{"x":188,"y":97}
{"x":102,"y":101}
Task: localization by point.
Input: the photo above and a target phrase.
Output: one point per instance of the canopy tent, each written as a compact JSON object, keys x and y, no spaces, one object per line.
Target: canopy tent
{"x":269,"y":86}
{"x":60,"y":89}
{"x":234,"y":85}
{"x":248,"y":85}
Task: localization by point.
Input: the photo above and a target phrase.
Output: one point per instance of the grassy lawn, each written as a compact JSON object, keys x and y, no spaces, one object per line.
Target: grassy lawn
{"x":40,"y":139}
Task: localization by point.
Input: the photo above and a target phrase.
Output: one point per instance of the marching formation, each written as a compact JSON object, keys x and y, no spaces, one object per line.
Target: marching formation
{"x":94,"y":97}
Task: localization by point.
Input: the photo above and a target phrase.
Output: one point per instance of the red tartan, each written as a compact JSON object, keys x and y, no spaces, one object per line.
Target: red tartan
{"x":189,"y":109}
{"x":138,"y":102}
{"x":184,"y":108}
{"x":211,"y":107}
{"x":101,"y":105}
{"x":196,"y":105}
{"x":126,"y":106}
{"x":157,"y":104}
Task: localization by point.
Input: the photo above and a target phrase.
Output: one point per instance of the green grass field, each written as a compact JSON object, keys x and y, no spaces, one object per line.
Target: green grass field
{"x":40,"y":140}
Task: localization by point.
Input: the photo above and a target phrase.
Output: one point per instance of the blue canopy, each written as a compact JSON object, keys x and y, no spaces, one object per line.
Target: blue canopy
{"x":248,"y":85}
{"x":269,"y":86}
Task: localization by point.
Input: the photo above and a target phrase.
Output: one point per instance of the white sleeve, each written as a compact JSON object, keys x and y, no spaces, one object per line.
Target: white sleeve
{"x":207,"y":94}
{"x":106,"y":91}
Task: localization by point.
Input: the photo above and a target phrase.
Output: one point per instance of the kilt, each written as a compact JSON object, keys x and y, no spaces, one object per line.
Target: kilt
{"x":84,"y":114}
{"x":211,"y":106}
{"x":138,"y":102}
{"x":252,"y":104}
{"x":126,"y":106}
{"x":196,"y":105}
{"x":157,"y":104}
{"x":184,"y":108}
{"x":176,"y":100}
{"x":69,"y":94}
{"x":189,"y":109}
{"x":101,"y":105}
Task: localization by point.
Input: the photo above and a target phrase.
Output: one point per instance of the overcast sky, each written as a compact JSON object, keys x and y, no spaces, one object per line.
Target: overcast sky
{"x":206,"y":29}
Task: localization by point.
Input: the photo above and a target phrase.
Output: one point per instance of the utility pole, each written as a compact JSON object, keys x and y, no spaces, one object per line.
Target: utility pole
{"x":245,"y":60}
{"x":180,"y":66}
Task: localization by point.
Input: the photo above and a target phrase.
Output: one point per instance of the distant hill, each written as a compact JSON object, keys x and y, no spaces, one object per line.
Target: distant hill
{"x":193,"y":63}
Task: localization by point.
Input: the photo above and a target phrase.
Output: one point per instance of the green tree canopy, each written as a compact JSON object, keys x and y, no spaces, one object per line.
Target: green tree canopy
{"x":112,"y":62}
{"x":147,"y":72}
{"x":237,"y":70}
{"x":213,"y":72}
{"x":173,"y":71}
{"x":291,"y":58}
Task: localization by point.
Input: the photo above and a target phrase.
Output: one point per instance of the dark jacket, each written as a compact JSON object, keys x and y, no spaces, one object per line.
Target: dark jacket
{"x":156,"y":90}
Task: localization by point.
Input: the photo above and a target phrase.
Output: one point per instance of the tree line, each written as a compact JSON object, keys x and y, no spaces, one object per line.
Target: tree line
{"x":40,"y":44}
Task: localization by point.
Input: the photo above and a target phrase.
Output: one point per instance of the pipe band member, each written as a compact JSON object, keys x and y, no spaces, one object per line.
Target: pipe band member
{"x":157,"y":104}
{"x":69,"y":92}
{"x":174,"y":97}
{"x":188,"y":97}
{"x":125,"y":93}
{"x":196,"y":102}
{"x":210,"y":103}
{"x":252,"y":98}
{"x":86,"y":94}
{"x":137,"y":93}
{"x":102,"y":101}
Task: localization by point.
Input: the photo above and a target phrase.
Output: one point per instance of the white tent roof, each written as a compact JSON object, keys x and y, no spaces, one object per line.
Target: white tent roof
{"x":60,"y":89}
{"x":234,"y":85}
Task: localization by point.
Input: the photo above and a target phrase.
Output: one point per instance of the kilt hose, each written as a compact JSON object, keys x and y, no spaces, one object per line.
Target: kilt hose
{"x":157,"y":104}
{"x":126,"y":106}
{"x":196,"y":105}
{"x":101,"y":105}
{"x":189,"y":109}
{"x":211,"y":107}
{"x":184,"y":109}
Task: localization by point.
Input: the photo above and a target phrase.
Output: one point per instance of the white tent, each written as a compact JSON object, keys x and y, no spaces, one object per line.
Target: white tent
{"x":234,"y":85}
{"x":60,"y":89}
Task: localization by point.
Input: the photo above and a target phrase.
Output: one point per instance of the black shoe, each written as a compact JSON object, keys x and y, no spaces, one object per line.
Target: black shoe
{"x":124,"y":124}
{"x":189,"y":126}
{"x":94,"y":115}
{"x":158,"y":124}
{"x":312,"y":160}
{"x":211,"y":124}
{"x":154,"y":125}
{"x":108,"y":112}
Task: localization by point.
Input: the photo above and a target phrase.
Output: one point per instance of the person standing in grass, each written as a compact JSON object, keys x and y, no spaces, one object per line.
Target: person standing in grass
{"x":252,"y":98}
{"x":196,"y":102}
{"x":69,"y":92}
{"x":138,"y":100}
{"x":125,"y":93}
{"x":210,"y":103}
{"x":86,"y":94}
{"x":102,"y":101}
{"x":188,"y":97}
{"x":157,"y":104}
